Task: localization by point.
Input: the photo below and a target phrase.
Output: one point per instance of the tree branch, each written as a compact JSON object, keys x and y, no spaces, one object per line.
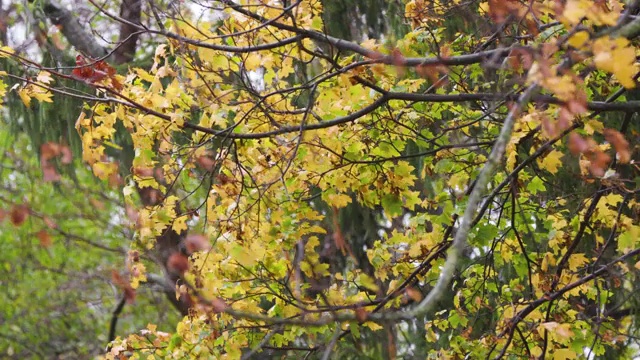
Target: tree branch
{"x":460,"y":239}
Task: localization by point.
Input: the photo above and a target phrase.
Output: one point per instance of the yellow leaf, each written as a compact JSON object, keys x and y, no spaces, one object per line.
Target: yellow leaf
{"x":558,"y":331}
{"x":592,"y":126}
{"x":564,"y":354}
{"x":180,"y":224}
{"x":252,"y":62}
{"x":44,"y":77}
{"x":5,"y":51}
{"x":536,"y":351}
{"x":367,"y":282}
{"x":3,"y":91}
{"x":338,"y":200}
{"x":243,"y":256}
{"x":576,"y":261}
{"x":579,"y":39}
{"x":25,"y":96}
{"x":373,"y":326}
{"x":138,"y":275}
{"x":551,"y":162}
{"x":43,"y":96}
{"x":574,"y":11}
{"x":617,"y":57}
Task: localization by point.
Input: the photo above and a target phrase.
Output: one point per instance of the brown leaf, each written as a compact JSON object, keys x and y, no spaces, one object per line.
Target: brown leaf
{"x":132,"y":213}
{"x":67,"y":157}
{"x":19,"y":214}
{"x":521,"y":59}
{"x":397,"y":58}
{"x":548,"y":127}
{"x":122,"y":283}
{"x":178,"y":263}
{"x":361,"y":314}
{"x":49,"y":172}
{"x":223,"y":179}
{"x":615,"y":138}
{"x":49,"y":151}
{"x":577,"y":145}
{"x":143,"y":172}
{"x":206,"y":162}
{"x":532,"y":26}
{"x":565,"y":118}
{"x":499,"y":10}
{"x":218,"y":305}
{"x":196,"y":242}
{"x":577,"y":107}
{"x":433,"y":73}
{"x":115,"y":180}
{"x":44,"y":238}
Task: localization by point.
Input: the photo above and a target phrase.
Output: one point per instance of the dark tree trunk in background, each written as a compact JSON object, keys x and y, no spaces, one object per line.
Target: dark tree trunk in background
{"x":131,"y":11}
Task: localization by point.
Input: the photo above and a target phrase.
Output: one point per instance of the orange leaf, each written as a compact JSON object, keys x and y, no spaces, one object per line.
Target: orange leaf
{"x":599,"y":163}
{"x":44,"y":238}
{"x":615,"y":138}
{"x":338,"y":238}
{"x":413,"y":294}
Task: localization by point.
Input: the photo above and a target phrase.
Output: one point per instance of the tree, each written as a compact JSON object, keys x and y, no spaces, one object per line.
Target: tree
{"x":440,"y":193}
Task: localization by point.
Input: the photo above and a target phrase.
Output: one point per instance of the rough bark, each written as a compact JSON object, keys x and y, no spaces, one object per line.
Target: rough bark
{"x":75,"y":33}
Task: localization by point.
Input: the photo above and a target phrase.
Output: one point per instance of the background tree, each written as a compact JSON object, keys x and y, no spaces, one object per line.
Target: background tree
{"x":402,"y":186}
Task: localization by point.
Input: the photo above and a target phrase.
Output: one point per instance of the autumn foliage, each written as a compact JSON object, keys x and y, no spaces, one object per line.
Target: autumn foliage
{"x":445,"y":194}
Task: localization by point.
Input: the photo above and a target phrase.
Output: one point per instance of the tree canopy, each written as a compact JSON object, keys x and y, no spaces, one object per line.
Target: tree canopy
{"x":325,"y":179}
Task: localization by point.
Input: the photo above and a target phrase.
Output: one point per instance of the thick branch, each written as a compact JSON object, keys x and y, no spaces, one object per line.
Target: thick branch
{"x":73,"y":31}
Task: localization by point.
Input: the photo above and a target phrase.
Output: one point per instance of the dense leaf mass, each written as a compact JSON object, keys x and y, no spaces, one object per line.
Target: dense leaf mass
{"x":437,"y":179}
